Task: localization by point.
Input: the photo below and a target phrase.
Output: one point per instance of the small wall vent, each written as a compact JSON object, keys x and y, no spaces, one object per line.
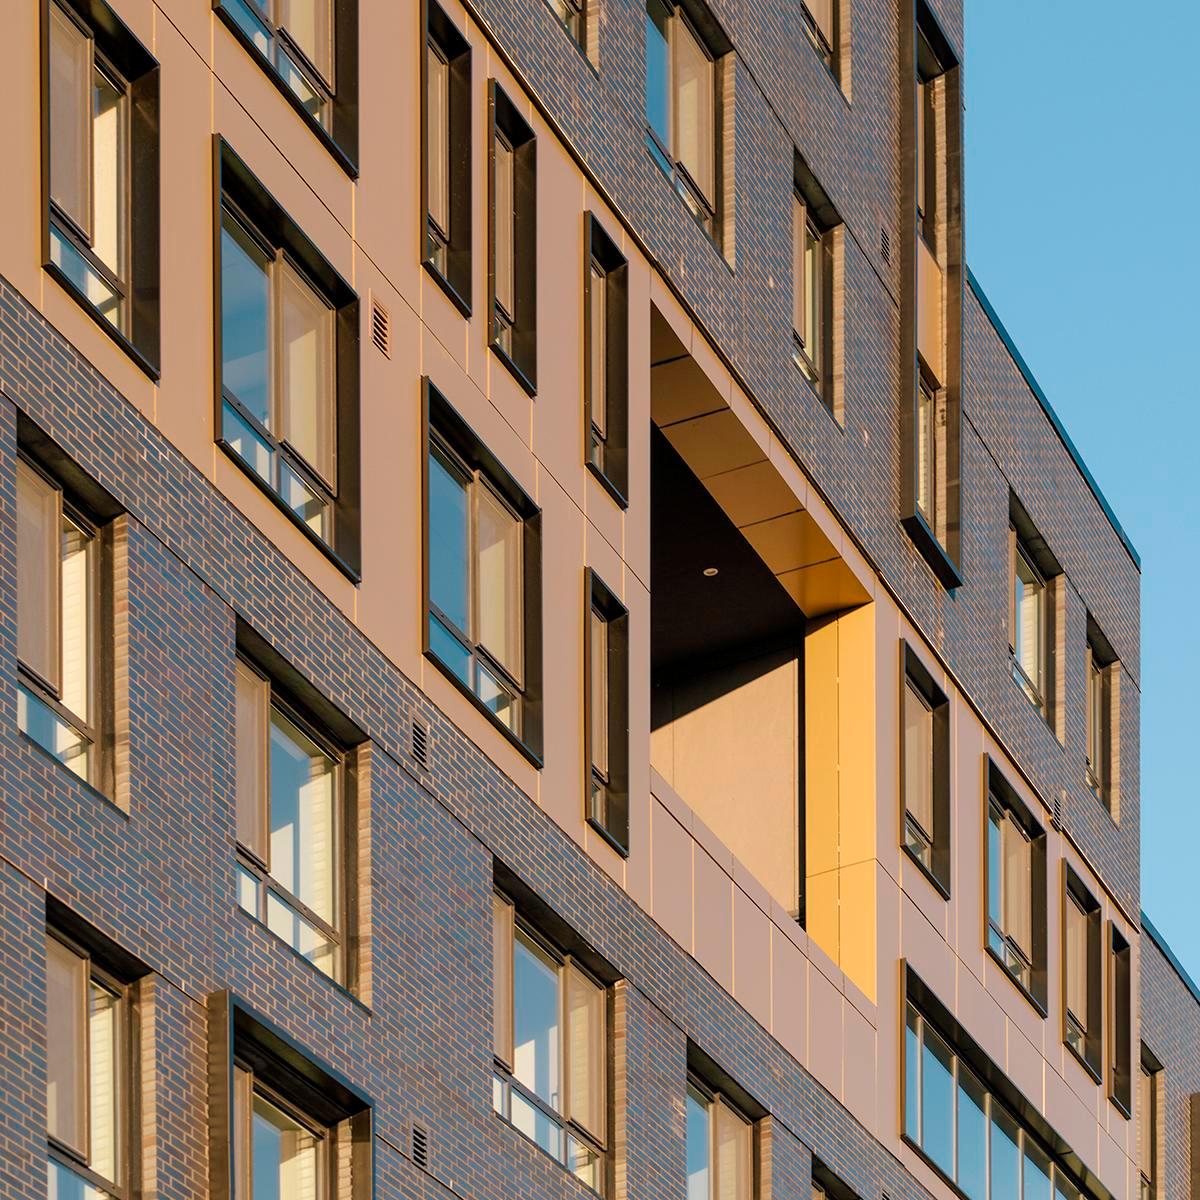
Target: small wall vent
{"x":885,"y":245}
{"x":381,"y":328}
{"x":419,"y":744}
{"x":420,"y":1147}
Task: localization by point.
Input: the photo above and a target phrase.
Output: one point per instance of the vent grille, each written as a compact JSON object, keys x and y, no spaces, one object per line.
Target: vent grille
{"x":420,"y":1147}
{"x":419,"y":744}
{"x":885,"y":245}
{"x":381,"y":328}
{"x":1056,"y":816}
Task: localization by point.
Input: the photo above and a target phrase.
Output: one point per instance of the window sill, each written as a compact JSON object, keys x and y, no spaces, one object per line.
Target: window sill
{"x":150,"y":369}
{"x":929,"y":1162}
{"x":1124,"y":1109}
{"x":532,"y":756}
{"x":519,"y":375}
{"x":1042,"y":709}
{"x":1034,"y":1002}
{"x":623,"y":851}
{"x":709,"y":236}
{"x":461,"y":303}
{"x":1093,"y":1071}
{"x":42,"y":752}
{"x":542,"y":1150}
{"x":607,"y":484}
{"x":941,"y":888}
{"x":323,"y":136}
{"x":351,"y":572}
{"x":934,"y":553}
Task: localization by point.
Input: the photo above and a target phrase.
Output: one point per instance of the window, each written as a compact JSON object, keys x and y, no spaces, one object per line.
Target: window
{"x":606,"y":354}
{"x":606,"y":688}
{"x":100,"y":138}
{"x":927,"y":452}
{"x":283,"y":1125}
{"x":814,"y":222}
{"x":64,"y":627}
{"x":1034,"y":581}
{"x":1102,"y":672}
{"x":819,"y":24}
{"x":681,"y":109}
{"x":958,"y":1123}
{"x":551,"y":1046}
{"x":1148,"y":1119}
{"x":447,"y":160}
{"x":925,"y":770}
{"x":89,"y":1075}
{"x":720,"y":1147}
{"x":1016,"y":889}
{"x":1082,"y":1004}
{"x":1120,"y":1006}
{"x":294,"y":805}
{"x":287,"y":404}
{"x":929,"y":150}
{"x":513,"y":258}
{"x":310,"y":50}
{"x":571,"y":15}
{"x":483,"y":577}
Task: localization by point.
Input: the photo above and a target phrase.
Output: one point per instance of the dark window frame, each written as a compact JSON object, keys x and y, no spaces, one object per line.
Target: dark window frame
{"x":240,"y":194}
{"x":1150,"y":1066}
{"x":444,"y":429}
{"x":1120,"y":1022}
{"x":505,"y":122}
{"x":453,"y":47}
{"x":823,"y":220}
{"x":606,"y":799}
{"x":1102,"y":660}
{"x":828,"y":52}
{"x":1089,"y":1052}
{"x":609,"y":464}
{"x":341,"y":94}
{"x":134,"y":70}
{"x":1025,"y":541}
{"x":914,"y":674}
{"x":1001,"y":795}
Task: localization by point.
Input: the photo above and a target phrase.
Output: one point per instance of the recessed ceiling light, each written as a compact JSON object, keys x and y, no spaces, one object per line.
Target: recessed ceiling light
{"x":709,"y":572}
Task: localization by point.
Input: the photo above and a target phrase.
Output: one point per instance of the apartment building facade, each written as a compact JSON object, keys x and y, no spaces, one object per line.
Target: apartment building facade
{"x":556,"y":647}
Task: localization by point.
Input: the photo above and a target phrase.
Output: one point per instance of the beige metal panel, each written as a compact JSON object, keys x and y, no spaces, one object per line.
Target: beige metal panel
{"x":931,"y":338}
{"x":861,"y":1055}
{"x":715,"y":443}
{"x":637,"y":521}
{"x":752,"y":493}
{"x":680,"y":391}
{"x":751,"y":957}
{"x":789,"y":995}
{"x":671,"y":884}
{"x":638,"y":864}
{"x":825,"y":1025}
{"x":712,"y":927}
{"x":789,"y":542}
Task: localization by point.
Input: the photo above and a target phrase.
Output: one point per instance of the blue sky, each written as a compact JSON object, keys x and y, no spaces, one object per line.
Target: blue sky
{"x":1083,"y":228}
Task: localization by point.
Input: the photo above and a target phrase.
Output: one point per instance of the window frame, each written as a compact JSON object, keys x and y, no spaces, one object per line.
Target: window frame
{"x":1034,"y":689}
{"x":131,"y":70}
{"x":719,"y":1091}
{"x":1084,"y":1037}
{"x":240,"y":194}
{"x":827,"y":49}
{"x":445,"y":432}
{"x":915,"y":677}
{"x":1120,"y":1023}
{"x":822,"y":221}
{"x":1149,"y":1119}
{"x":339,"y":94}
{"x":1102,"y":719}
{"x":610,"y":819}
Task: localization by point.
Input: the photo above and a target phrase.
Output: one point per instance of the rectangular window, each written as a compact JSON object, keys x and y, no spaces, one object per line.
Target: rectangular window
{"x":551,"y":1046}
{"x":814,"y":221}
{"x":720,"y":1147}
{"x":283,"y":1125}
{"x":927,"y":453}
{"x":288,"y":392}
{"x":1102,"y":717}
{"x":1082,"y":966}
{"x":483,"y":577}
{"x":925,"y":772}
{"x":1148,"y":1116}
{"x":64,"y":620}
{"x":606,"y":683}
{"x":1028,"y":643}
{"x":89,"y":1075}
{"x":571,"y":16}
{"x":447,"y":158}
{"x":513,"y":243}
{"x":606,"y":353}
{"x":818,"y":18}
{"x":101,"y":142}
{"x":292,"y":814}
{"x":309,"y":48}
{"x":1120,"y":1005}
{"x":681,"y":106}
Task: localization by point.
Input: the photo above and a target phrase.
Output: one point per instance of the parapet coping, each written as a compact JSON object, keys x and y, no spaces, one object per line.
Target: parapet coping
{"x":1169,"y":954}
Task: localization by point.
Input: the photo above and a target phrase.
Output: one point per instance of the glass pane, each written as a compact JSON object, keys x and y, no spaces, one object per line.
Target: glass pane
{"x":310,"y":22}
{"x":1037,"y":1174}
{"x":66,"y":1045}
{"x":70,"y":118}
{"x":78,"y":554}
{"x":310,"y":99}
{"x":699,"y":1145}
{"x":926,"y":452}
{"x":504,"y":234}
{"x":812,"y":300}
{"x":598,"y":349}
{"x":108,"y":173}
{"x":251,"y":24}
{"x":1077,"y":961}
{"x":599,"y":697}
{"x":583,"y":1162}
{"x":912,"y":1075}
{"x":734,"y":1155}
{"x":247,"y":443}
{"x":307,"y":356}
{"x":499,"y":1095}
{"x":449,"y":650}
{"x":303,"y":853}
{"x":52,"y":733}
{"x":658,"y":72}
{"x":1028,"y":609}
{"x":449,"y":541}
{"x":535,"y":1125}
{"x":245,"y":322}
{"x":63,"y":1184}
{"x":247,"y":887}
{"x":437,"y":138}
{"x":284,"y":1156}
{"x":1145,"y":1130}
{"x":937,"y":1101}
{"x":498,"y":549}
{"x":535,"y":1020}
{"x":1064,"y":1189}
{"x":995,"y":867}
{"x":498,"y":698}
{"x":586,"y":1044}
{"x":95,"y":288}
{"x":502,"y":978}
{"x":799,"y":262}
{"x":39,"y":519}
{"x":252,"y":714}
{"x":1006,"y":1157}
{"x":1018,"y":886}
{"x":312,"y":508}
{"x":972,"y":1135}
{"x":694,"y":110}
{"x":918,"y":758}
{"x":104,"y":1034}
{"x":302,"y":935}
